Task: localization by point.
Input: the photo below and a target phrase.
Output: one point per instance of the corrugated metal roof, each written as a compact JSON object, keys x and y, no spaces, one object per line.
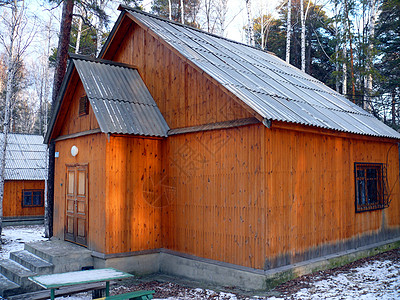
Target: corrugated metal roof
{"x":270,"y":86}
{"x":120,"y":99}
{"x":25,"y":157}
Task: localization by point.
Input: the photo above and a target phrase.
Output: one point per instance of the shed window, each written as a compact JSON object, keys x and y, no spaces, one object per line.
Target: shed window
{"x":83,"y":106}
{"x":32,"y":198}
{"x":370,"y":187}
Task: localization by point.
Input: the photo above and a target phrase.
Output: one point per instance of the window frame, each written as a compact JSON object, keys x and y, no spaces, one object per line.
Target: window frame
{"x":380,"y":202}
{"x":83,"y":108}
{"x":32,"y":191}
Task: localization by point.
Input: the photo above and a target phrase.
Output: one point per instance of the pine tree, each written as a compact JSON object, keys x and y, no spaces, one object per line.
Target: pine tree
{"x":388,"y":37}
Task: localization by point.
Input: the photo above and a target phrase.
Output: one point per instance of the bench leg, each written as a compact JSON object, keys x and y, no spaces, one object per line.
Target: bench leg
{"x":52,"y":296}
{"x":107,"y":288}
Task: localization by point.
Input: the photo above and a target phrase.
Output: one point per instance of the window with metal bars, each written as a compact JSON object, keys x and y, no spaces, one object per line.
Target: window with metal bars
{"x":32,"y":198}
{"x":83,"y":106}
{"x":370,"y":186}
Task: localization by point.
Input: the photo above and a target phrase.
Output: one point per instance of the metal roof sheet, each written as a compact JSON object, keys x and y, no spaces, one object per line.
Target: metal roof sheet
{"x":267,"y":84}
{"x":25,"y":157}
{"x":120,"y":99}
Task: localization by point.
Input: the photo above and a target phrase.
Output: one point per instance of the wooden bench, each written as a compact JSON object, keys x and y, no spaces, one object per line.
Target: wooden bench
{"x":138,"y":295}
{"x":55,"y":281}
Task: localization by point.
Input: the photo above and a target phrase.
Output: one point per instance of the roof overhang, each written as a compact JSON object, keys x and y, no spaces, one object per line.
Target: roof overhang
{"x":120,"y":100}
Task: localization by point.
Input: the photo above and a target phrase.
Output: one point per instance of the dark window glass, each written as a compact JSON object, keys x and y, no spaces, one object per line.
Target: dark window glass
{"x":27,"y":198}
{"x":361,"y":191}
{"x":369,"y":187}
{"x":37,"y":198}
{"x":32,"y":198}
{"x":83,"y":106}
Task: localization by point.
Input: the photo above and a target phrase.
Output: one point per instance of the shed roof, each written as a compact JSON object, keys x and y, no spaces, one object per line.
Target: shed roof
{"x":120,"y":99}
{"x":271,"y":87}
{"x":25,"y":157}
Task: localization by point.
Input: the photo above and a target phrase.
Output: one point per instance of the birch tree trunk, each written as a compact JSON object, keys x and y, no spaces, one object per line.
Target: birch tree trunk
{"x":250,"y":23}
{"x":288,"y":30}
{"x":12,"y":62}
{"x":372,"y":22}
{"x":169,"y":9}
{"x":344,"y":87}
{"x":78,"y":37}
{"x":182,"y":13}
{"x":222,"y":10}
{"x":303,"y":37}
{"x":394,"y":107}
{"x":337,"y":85}
{"x":46,"y":97}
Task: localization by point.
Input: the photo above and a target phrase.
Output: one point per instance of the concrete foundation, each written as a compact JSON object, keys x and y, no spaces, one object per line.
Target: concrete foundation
{"x":26,"y":220}
{"x":209,"y":271}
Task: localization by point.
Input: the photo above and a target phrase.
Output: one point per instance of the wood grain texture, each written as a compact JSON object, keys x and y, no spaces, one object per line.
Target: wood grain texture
{"x":249,"y":195}
{"x":133,"y":189}
{"x":92,"y":151}
{"x":184,"y":95}
{"x":68,"y":121}
{"x":12,"y":203}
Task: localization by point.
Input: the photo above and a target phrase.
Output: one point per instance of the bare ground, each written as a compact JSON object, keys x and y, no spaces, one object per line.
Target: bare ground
{"x":172,"y":287}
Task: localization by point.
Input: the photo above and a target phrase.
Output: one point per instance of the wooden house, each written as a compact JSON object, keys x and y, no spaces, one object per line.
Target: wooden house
{"x":183,"y":152}
{"x":24,"y":174}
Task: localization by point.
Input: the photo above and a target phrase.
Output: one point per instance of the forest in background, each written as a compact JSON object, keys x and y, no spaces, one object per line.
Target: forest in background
{"x":351,"y":45}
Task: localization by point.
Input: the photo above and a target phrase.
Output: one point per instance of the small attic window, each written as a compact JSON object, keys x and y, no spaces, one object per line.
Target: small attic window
{"x":83,"y":106}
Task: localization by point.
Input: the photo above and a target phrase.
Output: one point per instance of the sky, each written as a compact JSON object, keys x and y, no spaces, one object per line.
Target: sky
{"x":237,"y":15}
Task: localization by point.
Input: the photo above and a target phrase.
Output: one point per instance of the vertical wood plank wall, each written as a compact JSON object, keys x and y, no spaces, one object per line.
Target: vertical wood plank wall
{"x":69,"y":120}
{"x":12,"y":203}
{"x":134,"y":180}
{"x":183,"y":94}
{"x":262,"y":197}
{"x":92,"y":151}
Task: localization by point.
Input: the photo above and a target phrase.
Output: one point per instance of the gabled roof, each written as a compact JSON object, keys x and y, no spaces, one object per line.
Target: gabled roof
{"x":268,"y":85}
{"x":25,"y":157}
{"x":120,"y":100}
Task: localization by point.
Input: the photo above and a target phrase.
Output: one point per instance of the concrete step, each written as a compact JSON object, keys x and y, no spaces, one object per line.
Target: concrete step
{"x":7,"y":287}
{"x":18,"y":274}
{"x":65,"y":256}
{"x":32,"y":262}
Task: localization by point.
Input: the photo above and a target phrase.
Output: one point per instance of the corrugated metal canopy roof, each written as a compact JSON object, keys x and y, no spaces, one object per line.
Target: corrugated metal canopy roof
{"x":270,"y":86}
{"x":120,"y":99}
{"x":25,"y":157}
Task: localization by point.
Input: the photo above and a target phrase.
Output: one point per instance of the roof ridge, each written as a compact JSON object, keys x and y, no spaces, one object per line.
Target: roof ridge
{"x":126,"y":7}
{"x":100,"y":60}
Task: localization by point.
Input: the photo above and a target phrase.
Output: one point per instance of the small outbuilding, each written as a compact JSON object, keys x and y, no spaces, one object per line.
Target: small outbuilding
{"x":182,"y":152}
{"x":25,"y":175}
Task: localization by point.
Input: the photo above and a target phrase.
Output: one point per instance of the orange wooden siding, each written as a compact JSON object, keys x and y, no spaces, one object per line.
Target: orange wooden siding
{"x":184,"y":95}
{"x":92,"y":151}
{"x":133,"y":206}
{"x":12,"y":203}
{"x":251,"y":195}
{"x":69,"y":120}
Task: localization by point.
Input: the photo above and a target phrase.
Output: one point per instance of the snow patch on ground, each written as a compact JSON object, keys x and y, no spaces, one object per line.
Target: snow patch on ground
{"x":376,"y":280}
{"x":14,"y":237}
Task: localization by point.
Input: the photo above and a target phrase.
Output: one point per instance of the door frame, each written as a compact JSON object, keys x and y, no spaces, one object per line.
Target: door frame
{"x":77,"y":167}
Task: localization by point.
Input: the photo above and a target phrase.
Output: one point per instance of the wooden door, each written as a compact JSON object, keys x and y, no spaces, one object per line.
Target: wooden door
{"x":76,"y":205}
